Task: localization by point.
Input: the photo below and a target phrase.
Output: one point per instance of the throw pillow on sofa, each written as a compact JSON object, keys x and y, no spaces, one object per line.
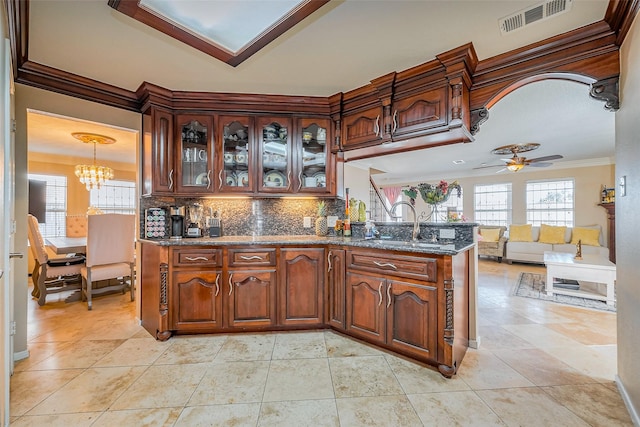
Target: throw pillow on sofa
{"x":520,"y":233}
{"x":490,"y":234}
{"x":588,"y":236}
{"x":552,"y":234}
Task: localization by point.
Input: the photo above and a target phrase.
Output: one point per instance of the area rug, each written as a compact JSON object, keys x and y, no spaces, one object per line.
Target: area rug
{"x":532,"y":285}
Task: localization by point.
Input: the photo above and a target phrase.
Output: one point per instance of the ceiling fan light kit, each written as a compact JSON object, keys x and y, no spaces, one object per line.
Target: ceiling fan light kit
{"x":516,"y":163}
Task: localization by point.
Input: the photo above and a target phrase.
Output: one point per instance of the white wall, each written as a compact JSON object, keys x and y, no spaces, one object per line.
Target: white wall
{"x":357,"y":181}
{"x":31,"y":98}
{"x":627,"y":224}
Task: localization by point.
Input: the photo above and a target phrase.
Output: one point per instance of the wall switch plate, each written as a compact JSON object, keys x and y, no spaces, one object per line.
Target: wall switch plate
{"x":622,"y":185}
{"x":306,"y":223}
{"x":447,"y":233}
{"x":331,"y":221}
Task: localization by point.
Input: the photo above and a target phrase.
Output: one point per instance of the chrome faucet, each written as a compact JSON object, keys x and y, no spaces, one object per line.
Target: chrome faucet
{"x":416,"y":224}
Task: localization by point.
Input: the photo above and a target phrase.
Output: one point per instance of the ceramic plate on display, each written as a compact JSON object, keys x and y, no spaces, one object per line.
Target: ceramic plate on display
{"x":321,"y":179}
{"x":242,"y":179}
{"x":230,"y":180}
{"x":274,"y":179}
{"x":229,"y":159}
{"x":202,"y":179}
{"x":242,"y":158}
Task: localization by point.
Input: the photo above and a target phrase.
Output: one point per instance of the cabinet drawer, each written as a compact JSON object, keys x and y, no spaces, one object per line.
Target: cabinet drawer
{"x":252,"y":257}
{"x":424,"y":269}
{"x":204,"y":257}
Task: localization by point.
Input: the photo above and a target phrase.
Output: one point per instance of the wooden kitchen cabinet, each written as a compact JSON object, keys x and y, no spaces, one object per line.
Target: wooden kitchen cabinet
{"x":336,"y":276}
{"x":301,"y":288}
{"x":315,"y":163}
{"x":251,"y":298}
{"x":195,"y":289}
{"x":194,"y":154}
{"x":197,"y":300}
{"x":365,"y":306}
{"x":412,"y":318}
{"x":275,"y":170}
{"x":384,"y":307}
{"x":362,"y":128}
{"x":158,"y":152}
{"x":236,"y":173}
{"x":417,"y":114}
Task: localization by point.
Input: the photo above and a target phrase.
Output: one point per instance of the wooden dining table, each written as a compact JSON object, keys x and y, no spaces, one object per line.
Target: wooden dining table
{"x":66,"y":245}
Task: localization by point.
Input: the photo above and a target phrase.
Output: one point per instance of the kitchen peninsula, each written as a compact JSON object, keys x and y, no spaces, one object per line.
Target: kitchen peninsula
{"x":413,"y":298}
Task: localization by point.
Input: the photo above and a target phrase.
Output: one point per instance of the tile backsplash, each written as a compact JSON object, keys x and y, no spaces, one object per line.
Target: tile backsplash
{"x":254,"y":216}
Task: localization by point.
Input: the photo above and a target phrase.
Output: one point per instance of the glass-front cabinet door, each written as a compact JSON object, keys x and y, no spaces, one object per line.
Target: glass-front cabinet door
{"x":274,"y":173}
{"x":195,"y":156}
{"x":313,"y":156}
{"x":236,"y":172}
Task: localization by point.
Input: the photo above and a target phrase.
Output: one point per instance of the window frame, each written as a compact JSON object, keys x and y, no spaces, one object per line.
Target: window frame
{"x":498,"y":219}
{"x":98,"y":198}
{"x":535,"y":216}
{"x":55,"y":224}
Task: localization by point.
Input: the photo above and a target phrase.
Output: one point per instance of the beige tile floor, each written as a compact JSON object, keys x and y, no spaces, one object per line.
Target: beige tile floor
{"x":540,"y":364}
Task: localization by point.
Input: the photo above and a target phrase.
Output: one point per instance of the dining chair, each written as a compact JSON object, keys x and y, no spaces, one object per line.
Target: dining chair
{"x":110,"y":255}
{"x":76,"y":225}
{"x":53,"y":275}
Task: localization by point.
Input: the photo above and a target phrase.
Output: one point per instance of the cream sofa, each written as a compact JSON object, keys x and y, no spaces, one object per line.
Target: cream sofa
{"x":534,"y":251}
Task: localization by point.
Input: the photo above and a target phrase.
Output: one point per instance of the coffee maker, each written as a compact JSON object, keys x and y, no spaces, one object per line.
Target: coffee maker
{"x":177,"y":221}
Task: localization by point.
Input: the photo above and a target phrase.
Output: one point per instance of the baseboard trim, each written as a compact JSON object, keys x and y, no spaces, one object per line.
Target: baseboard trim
{"x":475,"y":343}
{"x":21,"y":355}
{"x":635,"y":417}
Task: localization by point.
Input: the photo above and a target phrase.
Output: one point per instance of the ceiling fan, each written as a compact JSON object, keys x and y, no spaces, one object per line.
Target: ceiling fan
{"x":515,"y":163}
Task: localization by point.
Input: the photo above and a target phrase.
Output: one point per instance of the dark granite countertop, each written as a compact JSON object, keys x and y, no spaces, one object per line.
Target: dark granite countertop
{"x":421,"y":246}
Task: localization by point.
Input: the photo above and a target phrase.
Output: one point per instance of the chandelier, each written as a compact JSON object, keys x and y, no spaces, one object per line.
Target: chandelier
{"x":93,"y":176}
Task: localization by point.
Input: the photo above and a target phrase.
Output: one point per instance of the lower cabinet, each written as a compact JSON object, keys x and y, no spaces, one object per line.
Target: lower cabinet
{"x":301,"y":287}
{"x":197,"y":300}
{"x":400,"y":313}
{"x":412,"y":318}
{"x":251,"y":298}
{"x":336,"y":288}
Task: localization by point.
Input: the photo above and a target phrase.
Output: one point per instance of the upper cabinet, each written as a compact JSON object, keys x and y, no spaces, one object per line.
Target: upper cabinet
{"x":315,"y":163}
{"x":274,"y":155}
{"x":362,"y":127}
{"x":417,"y":114}
{"x":236,"y":174}
{"x":200,"y":155}
{"x":195,"y":154}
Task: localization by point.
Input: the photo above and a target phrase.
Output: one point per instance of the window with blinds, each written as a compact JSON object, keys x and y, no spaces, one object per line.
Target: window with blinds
{"x":492,"y":204}
{"x":115,"y":196}
{"x":550,"y":202}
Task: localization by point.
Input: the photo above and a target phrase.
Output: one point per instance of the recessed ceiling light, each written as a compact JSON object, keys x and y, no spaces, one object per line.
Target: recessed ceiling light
{"x":458,"y":162}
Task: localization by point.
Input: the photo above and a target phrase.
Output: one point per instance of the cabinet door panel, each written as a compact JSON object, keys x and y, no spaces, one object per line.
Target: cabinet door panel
{"x":197,"y":300}
{"x":301,"y":290}
{"x":236,"y":170}
{"x":315,"y":164}
{"x":337,"y":298}
{"x":419,"y":113}
{"x":412,"y":318}
{"x":366,"y":306}
{"x":362,"y":128}
{"x":158,"y":154}
{"x":194,"y":164}
{"x":275,"y":173}
{"x":251,"y":298}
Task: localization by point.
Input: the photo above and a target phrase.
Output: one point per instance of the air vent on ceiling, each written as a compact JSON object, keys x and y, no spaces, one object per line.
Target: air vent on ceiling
{"x":535,"y":13}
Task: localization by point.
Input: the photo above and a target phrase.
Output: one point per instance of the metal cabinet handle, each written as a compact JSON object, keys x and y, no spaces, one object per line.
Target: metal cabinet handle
{"x":377,"y":125}
{"x":388,"y":295}
{"x":385,"y":264}
{"x":230,"y":284}
{"x":197,"y":258}
{"x":209,"y":179}
{"x":395,"y":122}
{"x":217,"y":284}
{"x":329,"y":262}
{"x":299,"y":180}
{"x":16,"y":254}
{"x":249,"y":258}
{"x":220,"y":179}
{"x":380,"y":293}
{"x":171,"y":179}
{"x":289,"y":179}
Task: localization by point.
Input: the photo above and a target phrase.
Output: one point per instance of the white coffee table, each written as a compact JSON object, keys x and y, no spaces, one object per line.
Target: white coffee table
{"x":590,"y":268}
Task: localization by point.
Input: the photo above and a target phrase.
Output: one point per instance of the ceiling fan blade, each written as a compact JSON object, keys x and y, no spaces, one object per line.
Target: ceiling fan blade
{"x":489,"y":166}
{"x":545,"y":158}
{"x":509,"y":160}
{"x":540,"y":164}
{"x":501,"y":170}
